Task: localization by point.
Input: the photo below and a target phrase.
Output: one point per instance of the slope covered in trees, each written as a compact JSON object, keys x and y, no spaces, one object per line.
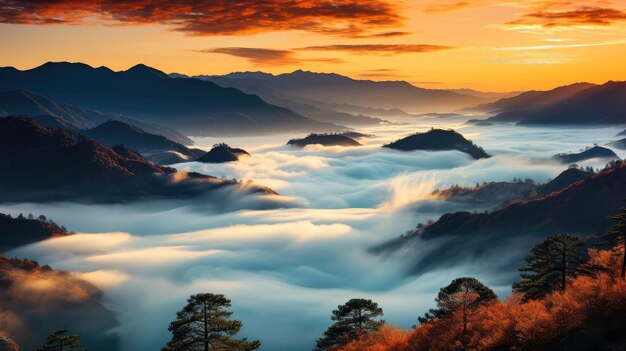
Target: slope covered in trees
{"x":83,"y":169}
{"x":438,"y":140}
{"x":151,"y":146}
{"x":20,"y":231}
{"x":588,"y":315}
{"x":581,"y":208}
{"x":37,"y":300}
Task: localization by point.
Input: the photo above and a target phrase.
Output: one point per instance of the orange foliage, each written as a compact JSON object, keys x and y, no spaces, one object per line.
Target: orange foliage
{"x":514,"y":325}
{"x":387,"y":338}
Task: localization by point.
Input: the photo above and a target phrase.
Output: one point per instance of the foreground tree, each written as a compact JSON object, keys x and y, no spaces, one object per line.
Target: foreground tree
{"x":204,"y":324}
{"x":549,"y":266}
{"x":59,"y":340}
{"x":460,"y":293}
{"x":616,"y":236}
{"x":355,"y":318}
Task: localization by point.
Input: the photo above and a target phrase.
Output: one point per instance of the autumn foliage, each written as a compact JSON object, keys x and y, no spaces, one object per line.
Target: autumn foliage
{"x":589,"y":314}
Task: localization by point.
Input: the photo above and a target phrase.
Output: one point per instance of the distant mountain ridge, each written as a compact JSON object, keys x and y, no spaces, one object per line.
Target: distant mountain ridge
{"x":60,"y":115}
{"x":332,"y":88}
{"x":191,"y":106}
{"x":578,"y":104}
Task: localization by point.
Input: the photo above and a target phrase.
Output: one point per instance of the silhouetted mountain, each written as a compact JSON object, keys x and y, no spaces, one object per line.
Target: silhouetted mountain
{"x":43,"y":164}
{"x":488,"y":193}
{"x":563,"y":180}
{"x":622,"y":133}
{"x":486,"y":94}
{"x":312,"y":110}
{"x":336,"y":89}
{"x":222,"y":153}
{"x":16,"y":232}
{"x":325,"y":140}
{"x":38,"y":300}
{"x":512,"y":108}
{"x":152,"y":147}
{"x":582,"y":208}
{"x":60,"y":115}
{"x":575,"y":104}
{"x":603,"y":104}
{"x":192,"y":106}
{"x":594,"y":152}
{"x":438,"y":140}
{"x":620,"y":144}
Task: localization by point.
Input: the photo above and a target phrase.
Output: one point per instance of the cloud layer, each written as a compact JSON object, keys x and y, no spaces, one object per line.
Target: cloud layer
{"x":212,"y":17}
{"x":286,"y":269}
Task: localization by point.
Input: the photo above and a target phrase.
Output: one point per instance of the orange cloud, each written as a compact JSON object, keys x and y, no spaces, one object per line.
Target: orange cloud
{"x":381,"y":48}
{"x":213,"y":17}
{"x":582,"y":16}
{"x":267,"y":57}
{"x":446,"y":7}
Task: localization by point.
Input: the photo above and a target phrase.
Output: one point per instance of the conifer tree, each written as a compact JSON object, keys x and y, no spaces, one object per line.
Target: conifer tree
{"x":448,"y":297}
{"x":59,"y":340}
{"x":204,"y":325}
{"x":352,"y":319}
{"x":549,"y":266}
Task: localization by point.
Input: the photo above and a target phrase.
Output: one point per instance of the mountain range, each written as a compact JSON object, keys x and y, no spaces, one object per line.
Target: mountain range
{"x":580,"y":103}
{"x":191,"y":106}
{"x":330,"y":88}
{"x":79,"y":168}
{"x":61,"y":115}
{"x":582,"y":208}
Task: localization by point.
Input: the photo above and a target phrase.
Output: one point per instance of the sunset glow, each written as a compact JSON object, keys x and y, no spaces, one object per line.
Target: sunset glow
{"x":483,"y":44}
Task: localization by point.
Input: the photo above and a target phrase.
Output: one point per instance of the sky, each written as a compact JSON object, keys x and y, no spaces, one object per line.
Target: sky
{"x":482,"y":44}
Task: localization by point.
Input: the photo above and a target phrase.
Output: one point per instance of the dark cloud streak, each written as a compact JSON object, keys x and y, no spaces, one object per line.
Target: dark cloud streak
{"x":214,"y":17}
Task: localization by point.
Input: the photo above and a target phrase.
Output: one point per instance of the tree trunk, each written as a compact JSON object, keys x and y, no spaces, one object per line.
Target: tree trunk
{"x":563,"y":269}
{"x":206,"y":327}
{"x":624,"y":259}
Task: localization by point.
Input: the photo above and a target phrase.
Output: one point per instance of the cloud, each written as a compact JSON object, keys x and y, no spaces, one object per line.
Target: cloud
{"x":212,"y":17}
{"x":280,"y":263}
{"x":561,"y":46}
{"x":446,"y":7}
{"x":579,"y":17}
{"x":267,"y":57}
{"x":380,"y":48}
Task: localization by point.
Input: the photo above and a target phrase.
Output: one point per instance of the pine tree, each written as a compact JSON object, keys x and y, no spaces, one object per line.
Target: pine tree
{"x":204,"y":324}
{"x":549,"y":266}
{"x":616,"y":235}
{"x":448,"y":297}
{"x":352,"y":319}
{"x":60,"y":341}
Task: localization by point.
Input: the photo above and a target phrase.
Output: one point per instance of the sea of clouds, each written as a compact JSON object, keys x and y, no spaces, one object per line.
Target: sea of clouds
{"x":285,"y":268}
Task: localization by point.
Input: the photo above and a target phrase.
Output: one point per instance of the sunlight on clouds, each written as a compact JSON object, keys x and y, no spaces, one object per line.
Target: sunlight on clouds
{"x":294,"y":231}
{"x":105,"y":278}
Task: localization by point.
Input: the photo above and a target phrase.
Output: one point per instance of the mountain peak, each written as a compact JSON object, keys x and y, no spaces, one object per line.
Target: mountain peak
{"x":141,"y":69}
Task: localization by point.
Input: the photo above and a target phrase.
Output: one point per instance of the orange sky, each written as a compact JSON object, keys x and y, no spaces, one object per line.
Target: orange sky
{"x":483,"y":44}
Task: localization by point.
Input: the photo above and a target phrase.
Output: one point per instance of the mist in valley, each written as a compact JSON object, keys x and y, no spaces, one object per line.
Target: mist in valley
{"x":286,"y":261}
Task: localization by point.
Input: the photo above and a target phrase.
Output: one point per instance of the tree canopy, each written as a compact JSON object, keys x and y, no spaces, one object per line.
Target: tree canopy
{"x":355,"y":317}
{"x":550,"y":264}
{"x":59,"y":340}
{"x":205,"y":324}
{"x":455,"y":295}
